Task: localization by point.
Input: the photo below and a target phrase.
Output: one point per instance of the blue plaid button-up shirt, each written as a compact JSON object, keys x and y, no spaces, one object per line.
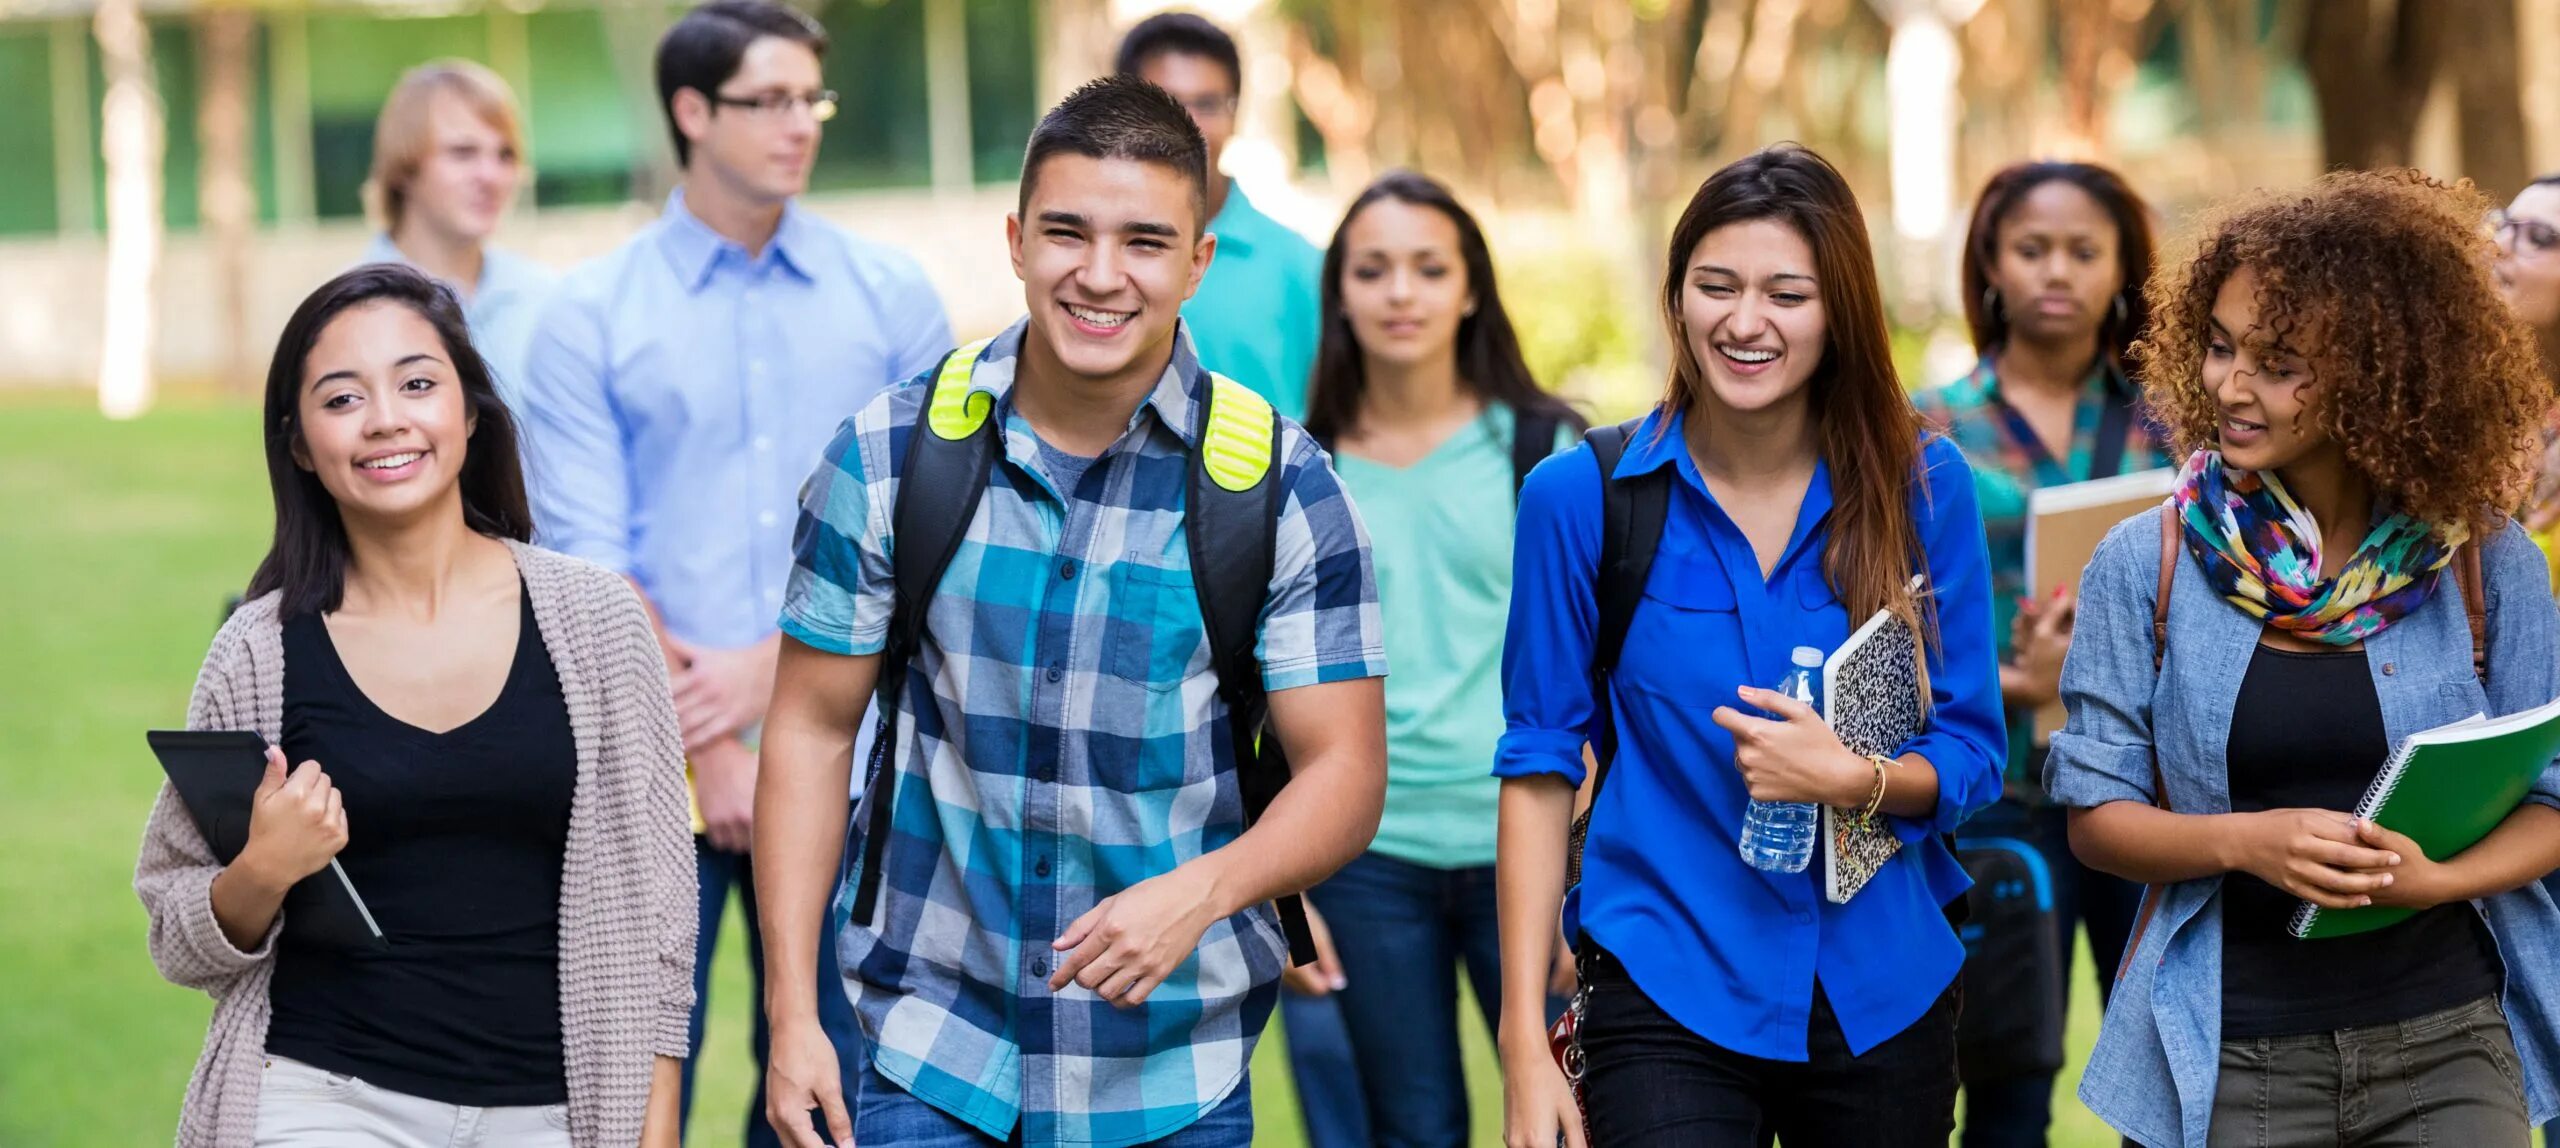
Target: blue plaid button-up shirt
{"x":1062,"y":739}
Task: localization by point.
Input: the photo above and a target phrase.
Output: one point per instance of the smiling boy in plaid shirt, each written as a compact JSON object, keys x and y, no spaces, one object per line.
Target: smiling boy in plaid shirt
{"x":1073,"y":942}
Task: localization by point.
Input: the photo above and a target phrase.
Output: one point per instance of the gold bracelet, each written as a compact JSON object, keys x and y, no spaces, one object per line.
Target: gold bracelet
{"x":1875,"y":800}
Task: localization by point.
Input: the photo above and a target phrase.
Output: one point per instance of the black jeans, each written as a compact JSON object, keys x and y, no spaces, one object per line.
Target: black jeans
{"x":1649,"y":1081}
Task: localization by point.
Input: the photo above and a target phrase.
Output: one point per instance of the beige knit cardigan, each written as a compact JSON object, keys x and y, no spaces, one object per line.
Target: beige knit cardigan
{"x":627,"y":882}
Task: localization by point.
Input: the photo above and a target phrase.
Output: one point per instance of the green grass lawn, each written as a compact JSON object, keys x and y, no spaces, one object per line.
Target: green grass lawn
{"x":120,"y":541}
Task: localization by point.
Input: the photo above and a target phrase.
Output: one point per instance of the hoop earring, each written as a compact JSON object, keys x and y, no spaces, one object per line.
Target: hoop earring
{"x":1992,"y":307}
{"x":2121,"y":309}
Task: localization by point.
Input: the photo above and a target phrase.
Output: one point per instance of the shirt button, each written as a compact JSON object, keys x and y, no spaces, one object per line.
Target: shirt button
{"x":2389,"y":668}
{"x":1041,"y":869}
{"x":1039,"y":966}
{"x":1067,"y":569}
{"x":1057,"y":673}
{"x":755,"y":367}
{"x":765,"y":519}
{"x":763,"y":443}
{"x":1804,"y":916}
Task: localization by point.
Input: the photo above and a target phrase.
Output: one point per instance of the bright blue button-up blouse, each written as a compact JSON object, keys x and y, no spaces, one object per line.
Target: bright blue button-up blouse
{"x":1729,"y":951}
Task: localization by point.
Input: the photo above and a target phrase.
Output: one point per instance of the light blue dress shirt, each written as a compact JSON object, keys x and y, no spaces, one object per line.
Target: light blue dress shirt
{"x":501,"y":308}
{"x":1254,"y":317}
{"x":680,"y":388}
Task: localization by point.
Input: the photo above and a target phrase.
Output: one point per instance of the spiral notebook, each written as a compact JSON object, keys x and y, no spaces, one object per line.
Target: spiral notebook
{"x":1871,"y":698}
{"x":2446,"y":788}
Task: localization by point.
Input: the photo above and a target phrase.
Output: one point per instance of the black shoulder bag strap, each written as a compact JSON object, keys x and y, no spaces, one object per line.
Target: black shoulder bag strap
{"x":939,"y":484}
{"x":1633,"y":511}
{"x":1533,"y":438}
{"x":1231,"y":534}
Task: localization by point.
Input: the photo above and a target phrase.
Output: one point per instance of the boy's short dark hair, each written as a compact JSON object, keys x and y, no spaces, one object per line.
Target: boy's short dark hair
{"x":1122,"y":117}
{"x":704,"y":49}
{"x":1180,"y":34}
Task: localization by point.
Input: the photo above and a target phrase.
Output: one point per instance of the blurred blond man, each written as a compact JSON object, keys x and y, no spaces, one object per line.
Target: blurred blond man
{"x":448,"y":159}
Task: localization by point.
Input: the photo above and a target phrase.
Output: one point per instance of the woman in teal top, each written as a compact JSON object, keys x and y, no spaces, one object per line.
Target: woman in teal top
{"x":1421,"y":392}
{"x":2055,"y":261}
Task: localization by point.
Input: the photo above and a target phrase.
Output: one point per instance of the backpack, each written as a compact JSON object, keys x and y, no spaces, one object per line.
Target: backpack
{"x":1633,"y":512}
{"x":2011,"y":1024}
{"x":1231,"y":508}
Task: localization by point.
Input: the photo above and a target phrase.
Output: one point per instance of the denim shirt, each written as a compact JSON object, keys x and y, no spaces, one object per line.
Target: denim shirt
{"x":2152,"y":1075}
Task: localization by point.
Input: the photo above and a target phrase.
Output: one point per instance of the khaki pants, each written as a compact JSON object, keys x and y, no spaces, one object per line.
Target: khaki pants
{"x":303,"y":1107}
{"x":2448,"y":1078}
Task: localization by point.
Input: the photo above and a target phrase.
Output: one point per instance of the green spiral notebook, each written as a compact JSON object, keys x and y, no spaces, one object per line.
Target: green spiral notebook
{"x":2446,"y":788}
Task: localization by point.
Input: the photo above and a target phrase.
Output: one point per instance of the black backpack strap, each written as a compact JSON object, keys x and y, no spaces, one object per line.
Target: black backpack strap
{"x":1633,"y":511}
{"x":1231,"y":513}
{"x":939,"y":485}
{"x":1533,"y":438}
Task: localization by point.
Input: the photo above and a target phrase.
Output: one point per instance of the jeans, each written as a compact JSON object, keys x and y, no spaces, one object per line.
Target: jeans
{"x":887,"y":1115}
{"x":1651,"y":1083}
{"x":720,"y":871}
{"x":2446,"y":1078}
{"x":1329,"y":1093}
{"x":304,"y":1107}
{"x":1403,"y":931}
{"x":2014,"y":1113}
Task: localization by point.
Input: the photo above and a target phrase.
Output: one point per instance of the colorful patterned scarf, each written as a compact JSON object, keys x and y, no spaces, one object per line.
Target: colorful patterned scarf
{"x":2261,"y":550}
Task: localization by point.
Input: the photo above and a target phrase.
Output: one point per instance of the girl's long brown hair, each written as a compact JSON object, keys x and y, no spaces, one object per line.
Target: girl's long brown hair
{"x":1864,"y":423}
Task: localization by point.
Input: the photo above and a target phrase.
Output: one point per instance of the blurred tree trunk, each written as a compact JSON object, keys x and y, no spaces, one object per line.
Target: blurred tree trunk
{"x":225,"y":42}
{"x":132,"y":143}
{"x":2489,"y":89}
{"x":2371,"y":64}
{"x":2103,"y":42}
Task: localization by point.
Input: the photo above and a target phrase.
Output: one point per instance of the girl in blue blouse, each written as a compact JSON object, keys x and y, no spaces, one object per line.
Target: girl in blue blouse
{"x":1726,"y":1003}
{"x":2358,"y":402}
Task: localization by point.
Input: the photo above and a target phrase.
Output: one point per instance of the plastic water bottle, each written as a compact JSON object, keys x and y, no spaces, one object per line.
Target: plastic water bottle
{"x":1778,"y":836}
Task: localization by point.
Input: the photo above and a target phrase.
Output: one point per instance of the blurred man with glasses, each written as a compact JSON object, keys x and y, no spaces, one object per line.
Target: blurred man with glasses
{"x":1255,"y":317}
{"x":680,"y":387}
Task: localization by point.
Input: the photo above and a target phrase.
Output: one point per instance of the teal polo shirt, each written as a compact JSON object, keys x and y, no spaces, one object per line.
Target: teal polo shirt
{"x":1254,"y":318}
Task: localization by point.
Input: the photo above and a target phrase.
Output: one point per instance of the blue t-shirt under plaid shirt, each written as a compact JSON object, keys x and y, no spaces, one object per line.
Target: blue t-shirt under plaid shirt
{"x":1062,"y":740}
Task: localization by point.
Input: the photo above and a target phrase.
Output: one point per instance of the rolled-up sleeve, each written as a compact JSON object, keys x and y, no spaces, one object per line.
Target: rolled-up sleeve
{"x":2524,"y":636}
{"x":1967,"y":738}
{"x":842,"y":582}
{"x":2104,"y":750}
{"x":581,"y":476}
{"x":1320,"y":620}
{"x":1546,"y":652}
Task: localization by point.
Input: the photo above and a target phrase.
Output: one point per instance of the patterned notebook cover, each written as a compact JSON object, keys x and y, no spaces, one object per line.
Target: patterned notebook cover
{"x":1871,"y":697}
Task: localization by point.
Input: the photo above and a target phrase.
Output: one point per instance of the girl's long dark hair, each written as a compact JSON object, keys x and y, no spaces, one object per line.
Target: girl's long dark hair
{"x":2135,"y":252}
{"x":1489,"y":362}
{"x":308,"y":559}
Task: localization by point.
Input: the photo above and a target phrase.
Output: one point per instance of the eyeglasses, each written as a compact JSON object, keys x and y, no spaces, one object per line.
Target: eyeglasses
{"x":1210,"y":107}
{"x":2531,"y":236}
{"x":775,"y":105}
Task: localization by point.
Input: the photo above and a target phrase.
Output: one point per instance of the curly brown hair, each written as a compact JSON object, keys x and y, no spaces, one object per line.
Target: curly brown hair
{"x":2380,"y":281}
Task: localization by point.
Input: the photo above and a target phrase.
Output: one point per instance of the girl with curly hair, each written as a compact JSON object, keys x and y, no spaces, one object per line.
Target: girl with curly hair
{"x":2356,"y":401}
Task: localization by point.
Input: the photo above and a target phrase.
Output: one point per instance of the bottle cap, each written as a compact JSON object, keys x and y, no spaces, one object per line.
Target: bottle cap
{"x":1809,"y":657}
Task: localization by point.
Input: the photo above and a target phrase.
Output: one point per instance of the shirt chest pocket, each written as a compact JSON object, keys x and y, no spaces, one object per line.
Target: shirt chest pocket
{"x":1689,"y":617}
{"x":1153,"y":635}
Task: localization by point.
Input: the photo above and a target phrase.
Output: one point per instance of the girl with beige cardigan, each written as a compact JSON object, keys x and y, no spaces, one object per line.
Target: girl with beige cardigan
{"x":485,"y":743}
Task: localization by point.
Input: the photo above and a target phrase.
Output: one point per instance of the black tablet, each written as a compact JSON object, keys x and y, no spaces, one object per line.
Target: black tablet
{"x":216,"y":774}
